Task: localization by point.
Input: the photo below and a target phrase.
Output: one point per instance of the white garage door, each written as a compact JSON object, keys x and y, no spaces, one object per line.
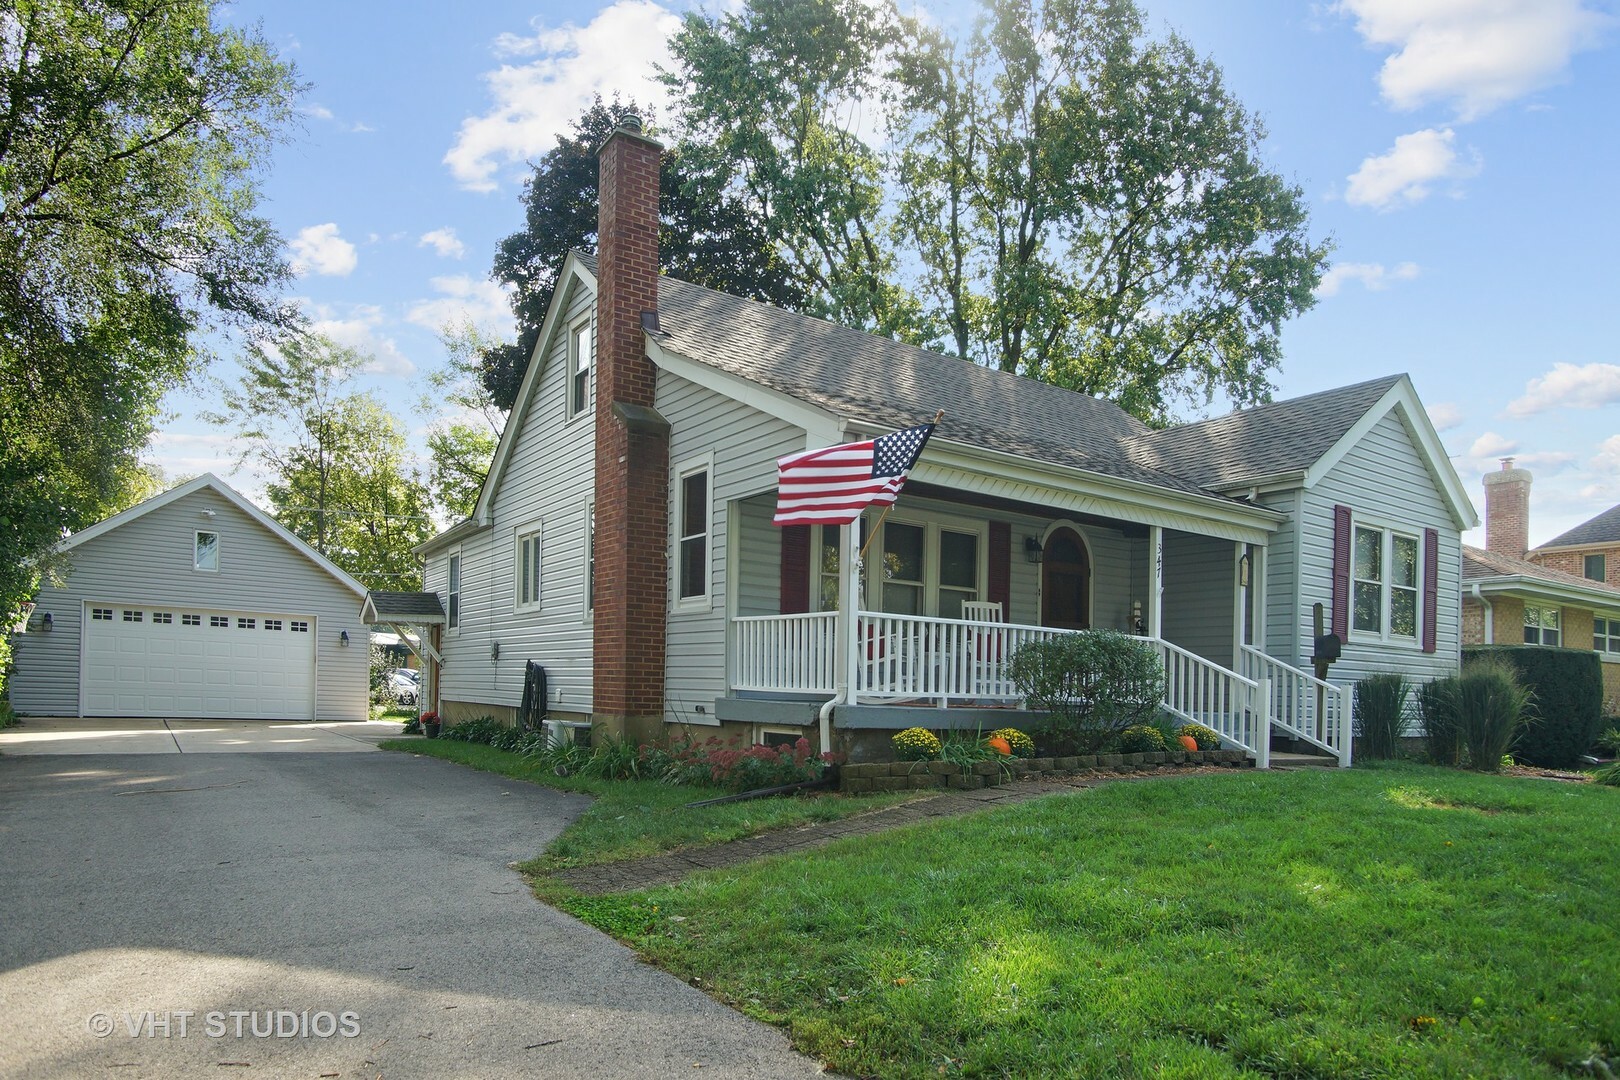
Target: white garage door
{"x":202,"y":664}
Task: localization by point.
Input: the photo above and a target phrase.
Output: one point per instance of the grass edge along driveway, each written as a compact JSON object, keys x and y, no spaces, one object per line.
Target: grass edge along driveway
{"x":1390,"y":921}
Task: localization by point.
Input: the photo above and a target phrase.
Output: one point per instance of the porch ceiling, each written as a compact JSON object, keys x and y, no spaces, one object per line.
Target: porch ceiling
{"x":1132,"y":529}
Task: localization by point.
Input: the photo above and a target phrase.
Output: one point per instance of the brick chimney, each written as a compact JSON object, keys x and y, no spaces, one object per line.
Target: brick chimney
{"x":632,"y":442}
{"x":1507,"y":510}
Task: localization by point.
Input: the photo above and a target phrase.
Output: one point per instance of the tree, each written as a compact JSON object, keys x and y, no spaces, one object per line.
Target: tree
{"x":462,"y":444}
{"x":131,"y":134}
{"x":1071,"y":200}
{"x":708,"y":237}
{"x":336,"y":461}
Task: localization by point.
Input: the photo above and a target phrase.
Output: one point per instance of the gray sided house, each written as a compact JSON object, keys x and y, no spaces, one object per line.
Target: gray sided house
{"x":624,"y":539}
{"x":194,"y":604}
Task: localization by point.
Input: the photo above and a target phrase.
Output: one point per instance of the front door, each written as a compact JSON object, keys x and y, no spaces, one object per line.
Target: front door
{"x":1065,"y":582}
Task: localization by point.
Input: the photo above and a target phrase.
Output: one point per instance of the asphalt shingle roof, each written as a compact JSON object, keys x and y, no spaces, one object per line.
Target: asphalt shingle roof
{"x":1479,"y":563}
{"x":403,"y":606}
{"x":1603,"y":529}
{"x":1267,"y":440}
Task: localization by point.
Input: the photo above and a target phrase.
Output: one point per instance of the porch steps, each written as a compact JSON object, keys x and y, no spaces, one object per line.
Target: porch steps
{"x":1282,"y":759}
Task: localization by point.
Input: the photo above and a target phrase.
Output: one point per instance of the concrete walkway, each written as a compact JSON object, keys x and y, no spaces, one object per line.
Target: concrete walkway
{"x":55,"y":735}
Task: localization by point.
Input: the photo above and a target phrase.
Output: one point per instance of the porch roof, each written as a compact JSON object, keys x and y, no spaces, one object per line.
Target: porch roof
{"x":419,"y":608}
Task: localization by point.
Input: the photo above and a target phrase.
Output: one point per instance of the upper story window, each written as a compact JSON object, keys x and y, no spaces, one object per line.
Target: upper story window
{"x":1541,"y":625}
{"x":580,"y":346}
{"x":1596,"y":567}
{"x":454,"y":589}
{"x":1385,"y":583}
{"x":205,"y":552}
{"x":692,"y":532}
{"x":526,"y":570}
{"x":1606,"y":634}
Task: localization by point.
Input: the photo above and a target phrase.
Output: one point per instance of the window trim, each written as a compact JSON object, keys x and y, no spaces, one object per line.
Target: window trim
{"x":1603,"y":566}
{"x":701,"y":601}
{"x":932,"y":527}
{"x":1541,"y":629}
{"x":1611,"y":622}
{"x":1386,"y":636}
{"x":196,"y":561}
{"x":531,"y":531}
{"x":452,"y":590}
{"x":579,"y":332}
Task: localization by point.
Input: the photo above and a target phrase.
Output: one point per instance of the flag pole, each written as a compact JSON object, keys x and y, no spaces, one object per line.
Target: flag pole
{"x":938,"y":416}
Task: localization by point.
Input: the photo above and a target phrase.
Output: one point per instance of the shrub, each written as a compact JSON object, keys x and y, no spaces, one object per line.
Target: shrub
{"x":1608,"y":742}
{"x":1022,"y":745}
{"x":1567,"y":688}
{"x":960,"y":748}
{"x":1206,"y":738}
{"x":1380,"y":712}
{"x":915,"y":744}
{"x":1141,"y":739}
{"x":1609,"y":775}
{"x":739,"y":769}
{"x":1092,"y":685}
{"x":1473,"y":719}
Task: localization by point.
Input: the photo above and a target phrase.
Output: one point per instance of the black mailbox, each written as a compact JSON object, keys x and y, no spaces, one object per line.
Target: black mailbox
{"x":1327,"y":648}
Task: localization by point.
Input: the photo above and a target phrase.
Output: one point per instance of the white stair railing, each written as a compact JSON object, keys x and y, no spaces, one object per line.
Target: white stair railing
{"x":785,"y":653}
{"x":1303,"y":706}
{"x":942,"y":660}
{"x":1201,"y":691}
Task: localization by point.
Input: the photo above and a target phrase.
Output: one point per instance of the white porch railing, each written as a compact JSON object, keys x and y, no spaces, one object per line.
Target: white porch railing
{"x":786,"y":653}
{"x":944,"y":660}
{"x":1302,"y":705}
{"x":1202,"y":692}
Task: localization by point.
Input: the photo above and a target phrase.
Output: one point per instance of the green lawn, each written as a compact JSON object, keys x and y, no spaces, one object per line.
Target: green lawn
{"x":634,"y":818}
{"x":1385,"y":922}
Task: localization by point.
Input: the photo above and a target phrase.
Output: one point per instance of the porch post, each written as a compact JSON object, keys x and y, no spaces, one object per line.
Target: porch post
{"x":1257,"y":594}
{"x":1240,"y":603}
{"x":1155,"y":624}
{"x":849,"y":583}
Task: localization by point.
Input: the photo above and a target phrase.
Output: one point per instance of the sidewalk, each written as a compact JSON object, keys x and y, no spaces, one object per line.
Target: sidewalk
{"x":60,"y":735}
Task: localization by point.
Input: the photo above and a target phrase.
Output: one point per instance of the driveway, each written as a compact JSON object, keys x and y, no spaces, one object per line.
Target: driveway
{"x":54,"y":735}
{"x":352,"y":914}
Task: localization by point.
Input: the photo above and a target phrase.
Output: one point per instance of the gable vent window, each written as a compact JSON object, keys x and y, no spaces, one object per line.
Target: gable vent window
{"x":219,"y":622}
{"x":164,"y":617}
{"x":101,"y":614}
{"x":131,"y":616}
{"x":205,"y":552}
{"x":191,"y":620}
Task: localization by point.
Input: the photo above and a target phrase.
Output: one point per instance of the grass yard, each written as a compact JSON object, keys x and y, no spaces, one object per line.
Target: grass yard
{"x":634,"y":818}
{"x":1394,"y":921}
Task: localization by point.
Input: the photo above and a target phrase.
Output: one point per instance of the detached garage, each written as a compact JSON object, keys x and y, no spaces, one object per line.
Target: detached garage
{"x":194,"y":605}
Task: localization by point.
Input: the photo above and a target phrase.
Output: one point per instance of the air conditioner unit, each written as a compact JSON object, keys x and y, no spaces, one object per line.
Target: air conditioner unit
{"x":568,"y":733}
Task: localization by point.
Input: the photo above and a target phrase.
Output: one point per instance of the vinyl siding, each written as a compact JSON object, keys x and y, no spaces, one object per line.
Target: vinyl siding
{"x":1199,"y":594}
{"x":549,"y":480}
{"x":742,"y":445}
{"x":148,"y":562}
{"x":1385,"y":483}
{"x":1283,"y":598}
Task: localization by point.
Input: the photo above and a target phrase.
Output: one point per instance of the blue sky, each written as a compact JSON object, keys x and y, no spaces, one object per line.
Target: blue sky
{"x":1462,"y":154}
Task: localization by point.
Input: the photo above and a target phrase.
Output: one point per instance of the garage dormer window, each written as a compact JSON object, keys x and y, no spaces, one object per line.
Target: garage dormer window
{"x":205,"y":552}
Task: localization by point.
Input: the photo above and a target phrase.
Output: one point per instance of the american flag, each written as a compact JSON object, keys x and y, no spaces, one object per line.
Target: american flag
{"x":831,"y":486}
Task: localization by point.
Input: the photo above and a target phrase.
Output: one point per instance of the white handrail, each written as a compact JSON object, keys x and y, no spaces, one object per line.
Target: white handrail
{"x":785,"y":653}
{"x":1200,"y":691}
{"x":941,"y":660}
{"x":1305,"y":707}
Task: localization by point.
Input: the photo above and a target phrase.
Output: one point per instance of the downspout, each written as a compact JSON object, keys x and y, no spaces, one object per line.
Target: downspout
{"x":824,"y":717}
{"x":1490,"y":620}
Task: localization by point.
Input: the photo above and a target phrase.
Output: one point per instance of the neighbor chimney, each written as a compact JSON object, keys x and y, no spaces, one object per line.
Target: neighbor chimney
{"x":1507,"y":510}
{"x":632,"y":441}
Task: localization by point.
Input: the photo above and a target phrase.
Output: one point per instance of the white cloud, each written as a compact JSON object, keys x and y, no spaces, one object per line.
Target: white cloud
{"x":463,"y":298}
{"x":1492,"y":445}
{"x":319,"y":249}
{"x":1607,"y":458}
{"x":1409,"y":170}
{"x":361,"y":330}
{"x":1485,"y":453}
{"x":1567,"y":386}
{"x":319,"y":112}
{"x":1375,"y":277}
{"x":1445,"y":415}
{"x":618,"y":50}
{"x":1476,"y":54}
{"x":444,"y":241}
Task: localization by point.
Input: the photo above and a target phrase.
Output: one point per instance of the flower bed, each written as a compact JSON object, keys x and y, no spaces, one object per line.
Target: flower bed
{"x":901,"y":775}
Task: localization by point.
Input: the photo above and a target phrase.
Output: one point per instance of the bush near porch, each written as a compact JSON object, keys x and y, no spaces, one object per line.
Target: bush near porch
{"x":1389,"y":921}
{"x":1567,"y":702}
{"x":1092,"y":685}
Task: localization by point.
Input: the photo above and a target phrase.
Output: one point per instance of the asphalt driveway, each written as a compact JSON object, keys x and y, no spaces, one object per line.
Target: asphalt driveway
{"x":351,"y":914}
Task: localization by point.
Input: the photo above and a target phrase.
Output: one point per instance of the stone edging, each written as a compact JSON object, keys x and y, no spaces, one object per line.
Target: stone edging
{"x":904,"y":775}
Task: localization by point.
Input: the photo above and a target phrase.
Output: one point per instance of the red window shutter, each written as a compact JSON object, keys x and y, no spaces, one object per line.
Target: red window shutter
{"x":795,"y":569}
{"x":1431,"y":587}
{"x":1341,"y":571}
{"x":998,"y":590}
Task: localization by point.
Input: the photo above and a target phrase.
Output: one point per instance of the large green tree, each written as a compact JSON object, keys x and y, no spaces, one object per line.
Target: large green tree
{"x":1061,"y":195}
{"x":131,"y":137}
{"x":338,"y":472}
{"x":466,"y":422}
{"x":708,"y":236}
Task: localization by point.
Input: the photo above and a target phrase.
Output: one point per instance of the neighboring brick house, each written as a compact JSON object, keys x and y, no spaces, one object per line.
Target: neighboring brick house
{"x":1564,"y":593}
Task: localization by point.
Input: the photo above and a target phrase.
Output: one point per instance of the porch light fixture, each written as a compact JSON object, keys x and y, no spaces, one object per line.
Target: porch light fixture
{"x":343,"y":640}
{"x":1032,"y":549}
{"x":47,"y":623}
{"x":1243,"y":570}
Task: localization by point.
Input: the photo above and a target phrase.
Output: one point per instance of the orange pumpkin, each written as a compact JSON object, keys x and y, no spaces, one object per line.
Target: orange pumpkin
{"x":1189,"y":742}
{"x":999,"y":745}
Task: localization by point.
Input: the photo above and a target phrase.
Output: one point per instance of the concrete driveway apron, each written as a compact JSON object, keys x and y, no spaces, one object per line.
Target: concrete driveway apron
{"x":350,"y":914}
